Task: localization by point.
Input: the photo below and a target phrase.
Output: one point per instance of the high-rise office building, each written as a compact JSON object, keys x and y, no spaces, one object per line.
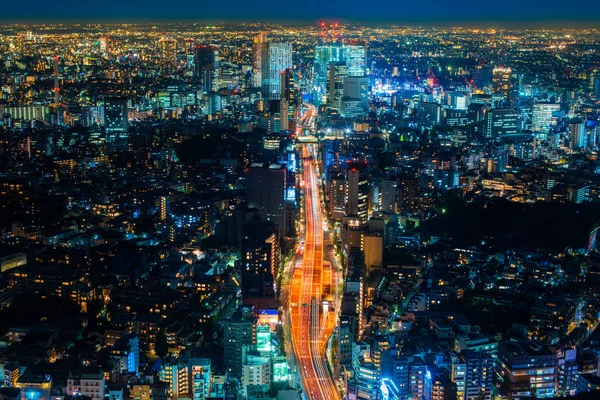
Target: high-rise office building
{"x":325,"y":54}
{"x":593,"y":133}
{"x":351,"y":108}
{"x":457,"y":100}
{"x":168,"y":51}
{"x":214,"y":103}
{"x":207,"y":67}
{"x":103,"y":45}
{"x":278,"y":58}
{"x":389,"y":195}
{"x":271,"y":122}
{"x":259,"y":47}
{"x":27,"y":112}
{"x":372,"y":246}
{"x":525,"y":107}
{"x":501,"y":121}
{"x":190,"y":55}
{"x":204,"y":56}
{"x":266,"y":186}
{"x":577,"y":135}
{"x":357,"y":191}
{"x":354,"y":54}
{"x":337,"y":195}
{"x":289,"y":100}
{"x":502,"y":81}
{"x":357,"y":87}
{"x":429,"y":114}
{"x":544,"y":117}
{"x":115,"y":114}
{"x":336,"y":74}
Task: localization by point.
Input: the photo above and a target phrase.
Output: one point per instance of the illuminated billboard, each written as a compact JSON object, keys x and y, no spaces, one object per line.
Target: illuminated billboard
{"x":263,"y":338}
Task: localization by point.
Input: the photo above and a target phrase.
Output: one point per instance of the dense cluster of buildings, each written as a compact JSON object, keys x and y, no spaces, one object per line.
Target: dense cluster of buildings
{"x":151,"y":210}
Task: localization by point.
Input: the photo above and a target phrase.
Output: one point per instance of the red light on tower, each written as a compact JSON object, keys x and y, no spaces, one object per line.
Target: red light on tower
{"x":329,"y":31}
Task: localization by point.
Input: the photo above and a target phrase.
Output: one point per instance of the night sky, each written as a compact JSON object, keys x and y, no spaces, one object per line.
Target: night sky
{"x":476,"y":12}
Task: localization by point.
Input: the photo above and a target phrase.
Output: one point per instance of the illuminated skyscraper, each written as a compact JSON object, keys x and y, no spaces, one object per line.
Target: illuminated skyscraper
{"x":104,"y":44}
{"x":337,"y":72}
{"x":258,"y":53}
{"x":357,"y":190}
{"x":544,"y":117}
{"x":168,"y":51}
{"x":355,"y":56}
{"x":115,"y":114}
{"x":190,"y":55}
{"x":207,"y":66}
{"x":324,"y":55}
{"x":278,"y":58}
{"x":289,"y":99}
{"x":525,"y":108}
{"x":577,"y":135}
{"x":501,"y":80}
{"x":501,"y":121}
{"x":204,"y":56}
{"x":337,"y":195}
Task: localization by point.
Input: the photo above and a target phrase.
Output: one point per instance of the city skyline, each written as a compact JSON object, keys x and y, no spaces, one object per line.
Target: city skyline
{"x":299,"y":211}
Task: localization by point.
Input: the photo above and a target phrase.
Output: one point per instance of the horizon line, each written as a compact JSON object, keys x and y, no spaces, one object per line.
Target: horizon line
{"x":450,"y":23}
